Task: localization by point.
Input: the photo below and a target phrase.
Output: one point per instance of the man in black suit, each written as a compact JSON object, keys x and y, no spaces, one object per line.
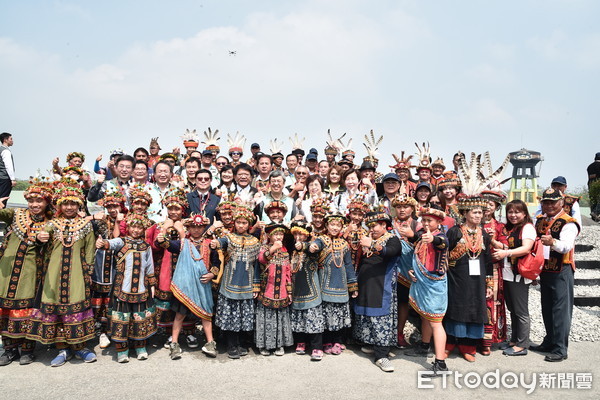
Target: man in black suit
{"x":201,"y":200}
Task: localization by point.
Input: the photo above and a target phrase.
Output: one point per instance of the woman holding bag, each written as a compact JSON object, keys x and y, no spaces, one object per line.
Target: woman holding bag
{"x":521,"y":235}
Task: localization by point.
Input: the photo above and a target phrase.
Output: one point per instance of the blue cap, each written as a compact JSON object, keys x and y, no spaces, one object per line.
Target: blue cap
{"x":255,"y":146}
{"x":311,"y":156}
{"x":313,"y":150}
{"x":423,"y":184}
{"x":561,"y":180}
{"x":597,"y":156}
{"x":389,"y":176}
{"x":207,"y":153}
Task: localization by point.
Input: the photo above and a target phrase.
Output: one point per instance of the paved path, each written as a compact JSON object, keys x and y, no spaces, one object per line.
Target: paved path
{"x":351,"y":375}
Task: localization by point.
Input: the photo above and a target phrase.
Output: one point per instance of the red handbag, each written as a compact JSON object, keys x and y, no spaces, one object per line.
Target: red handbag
{"x":530,"y":265}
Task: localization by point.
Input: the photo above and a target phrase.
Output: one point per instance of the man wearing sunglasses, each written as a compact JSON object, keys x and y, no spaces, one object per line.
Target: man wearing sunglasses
{"x":201,"y":200}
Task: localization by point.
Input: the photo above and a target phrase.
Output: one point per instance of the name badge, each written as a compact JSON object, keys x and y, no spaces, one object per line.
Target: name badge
{"x":474,"y":267}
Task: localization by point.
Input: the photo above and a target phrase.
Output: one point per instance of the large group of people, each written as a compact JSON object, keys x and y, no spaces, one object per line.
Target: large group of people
{"x":277,"y":251}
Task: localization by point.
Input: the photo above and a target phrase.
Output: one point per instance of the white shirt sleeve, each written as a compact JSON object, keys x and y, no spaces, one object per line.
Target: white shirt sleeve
{"x":566,"y":240}
{"x":577,"y":214}
{"x":8,"y":164}
{"x":528,"y":232}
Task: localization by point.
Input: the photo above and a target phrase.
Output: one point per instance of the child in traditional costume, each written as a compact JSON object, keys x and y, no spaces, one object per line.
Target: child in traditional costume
{"x":429,"y":290}
{"x":21,"y":266}
{"x":240,"y":281}
{"x":165,"y":262}
{"x":273,"y":325}
{"x":197,"y":266}
{"x":376,"y":308}
{"x":65,"y":317}
{"x":307,"y":313}
{"x":404,"y":227}
{"x":357,"y":209}
{"x":132,"y":315}
{"x":337,"y":280}
{"x":103,"y":275}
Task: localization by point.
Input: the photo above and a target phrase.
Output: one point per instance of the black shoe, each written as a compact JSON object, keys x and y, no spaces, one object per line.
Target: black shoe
{"x":504,"y":346}
{"x":242,"y":351}
{"x":233,"y":353}
{"x":540,"y":348}
{"x":9,"y":356}
{"x":555,"y":358}
{"x":436,"y":370}
{"x":511,"y":352}
{"x":26,"y":358}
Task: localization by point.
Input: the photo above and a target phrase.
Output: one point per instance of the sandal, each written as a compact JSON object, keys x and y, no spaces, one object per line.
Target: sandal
{"x":327,"y":348}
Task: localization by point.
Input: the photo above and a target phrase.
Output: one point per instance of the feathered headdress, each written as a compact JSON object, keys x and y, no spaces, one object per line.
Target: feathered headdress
{"x":333,"y":145}
{"x":424,"y":156}
{"x":475,"y":181}
{"x":275,"y":149}
{"x":297,"y":142}
{"x":402,"y":162}
{"x":439,"y":162}
{"x":372,"y":145}
{"x":346,"y":149}
{"x":236,"y":143}
{"x":154,"y":142}
{"x":211,"y":141}
{"x":190,"y":138}
{"x":244,"y":213}
{"x":494,"y":191}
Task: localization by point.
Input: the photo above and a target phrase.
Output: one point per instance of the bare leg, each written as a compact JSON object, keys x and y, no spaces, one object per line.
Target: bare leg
{"x":439,"y":339}
{"x":207,"y":327}
{"x":177,"y":326}
{"x":426,"y":331}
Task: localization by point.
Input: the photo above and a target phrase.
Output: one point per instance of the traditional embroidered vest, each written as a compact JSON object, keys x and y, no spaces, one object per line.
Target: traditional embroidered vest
{"x":569,"y":203}
{"x":556,"y":260}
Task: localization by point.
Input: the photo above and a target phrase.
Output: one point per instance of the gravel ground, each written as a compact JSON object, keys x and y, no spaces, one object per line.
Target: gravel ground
{"x":587,"y":274}
{"x":590,"y":235}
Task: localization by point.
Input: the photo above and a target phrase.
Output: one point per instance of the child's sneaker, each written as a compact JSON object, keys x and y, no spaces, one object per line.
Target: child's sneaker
{"x":192,"y":342}
{"x":104,"y":341}
{"x":210,"y":348}
{"x":264,"y":352}
{"x":317,"y":355}
{"x":280,"y":351}
{"x":141,"y":352}
{"x":85,"y":355}
{"x":123,"y":357}
{"x":176,"y":352}
{"x":167,"y":344}
{"x":327,"y":348}
{"x":301,"y":348}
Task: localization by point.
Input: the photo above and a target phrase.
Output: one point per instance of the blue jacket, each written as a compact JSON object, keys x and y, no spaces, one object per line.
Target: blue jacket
{"x":338,"y":276}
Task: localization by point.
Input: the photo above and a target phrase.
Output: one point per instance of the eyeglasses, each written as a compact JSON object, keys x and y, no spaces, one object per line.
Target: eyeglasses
{"x":235,"y":153}
{"x":221,"y":163}
{"x":302,"y":173}
{"x":203,"y":178}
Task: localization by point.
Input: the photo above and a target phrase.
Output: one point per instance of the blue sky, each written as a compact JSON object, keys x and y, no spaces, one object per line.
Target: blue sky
{"x":464,"y":75}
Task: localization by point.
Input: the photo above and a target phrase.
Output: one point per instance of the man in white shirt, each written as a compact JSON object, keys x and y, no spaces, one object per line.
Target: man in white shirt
{"x":557,"y":231}
{"x":7,"y":168}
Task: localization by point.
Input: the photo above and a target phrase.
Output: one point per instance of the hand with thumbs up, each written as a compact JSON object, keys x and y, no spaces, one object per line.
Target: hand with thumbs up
{"x":427,"y":237}
{"x":100,"y":242}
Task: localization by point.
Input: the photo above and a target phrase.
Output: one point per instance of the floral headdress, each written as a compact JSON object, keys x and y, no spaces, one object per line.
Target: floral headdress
{"x":112,"y":198}
{"x":175,"y":197}
{"x":138,"y":192}
{"x":138,"y":219}
{"x":67,"y":189}
{"x":39,"y":187}
{"x":75,"y":154}
{"x":244,"y":213}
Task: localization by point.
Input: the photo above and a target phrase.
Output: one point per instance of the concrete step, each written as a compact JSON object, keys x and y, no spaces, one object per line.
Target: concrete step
{"x":588,"y":264}
{"x":582,"y":248}
{"x":587,"y":301}
{"x":587,"y":282}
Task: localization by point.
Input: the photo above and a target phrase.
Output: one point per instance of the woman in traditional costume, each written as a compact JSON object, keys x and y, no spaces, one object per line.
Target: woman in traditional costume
{"x":21,"y":265}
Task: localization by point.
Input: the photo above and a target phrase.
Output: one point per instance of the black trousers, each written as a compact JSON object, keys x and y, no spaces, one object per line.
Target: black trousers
{"x":516,"y":296}
{"x":381,"y":352}
{"x":5,"y":188}
{"x":557,"y":308}
{"x":315,"y":339}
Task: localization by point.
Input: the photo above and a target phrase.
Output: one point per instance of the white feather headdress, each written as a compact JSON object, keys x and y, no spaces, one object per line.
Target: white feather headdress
{"x":297,"y":142}
{"x":190,"y":138}
{"x":236,"y":143}
{"x":211,"y":140}
{"x":372,"y":146}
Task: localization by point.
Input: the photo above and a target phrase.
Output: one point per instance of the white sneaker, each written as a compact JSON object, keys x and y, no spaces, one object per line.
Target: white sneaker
{"x":367,"y":350}
{"x":280,"y":351}
{"x":104,"y":341}
{"x":167,"y":344}
{"x":385,"y":365}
